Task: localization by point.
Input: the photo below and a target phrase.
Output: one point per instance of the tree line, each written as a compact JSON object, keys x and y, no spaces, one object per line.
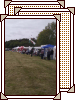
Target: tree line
{"x":20,"y":42}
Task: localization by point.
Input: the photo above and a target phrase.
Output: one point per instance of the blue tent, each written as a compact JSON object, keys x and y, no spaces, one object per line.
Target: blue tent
{"x":48,"y":46}
{"x":45,"y":50}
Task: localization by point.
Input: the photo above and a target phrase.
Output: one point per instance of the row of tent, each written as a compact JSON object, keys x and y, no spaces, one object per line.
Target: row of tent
{"x":45,"y":47}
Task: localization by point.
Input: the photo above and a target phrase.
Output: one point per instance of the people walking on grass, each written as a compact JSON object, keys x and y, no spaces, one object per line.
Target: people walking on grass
{"x":48,"y":54}
{"x":42,"y":53}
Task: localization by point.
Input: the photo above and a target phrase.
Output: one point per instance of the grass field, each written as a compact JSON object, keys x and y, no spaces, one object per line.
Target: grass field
{"x":26,"y":75}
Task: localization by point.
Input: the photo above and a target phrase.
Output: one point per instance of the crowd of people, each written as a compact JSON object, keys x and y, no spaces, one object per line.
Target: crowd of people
{"x":49,"y":54}
{"x":40,"y":53}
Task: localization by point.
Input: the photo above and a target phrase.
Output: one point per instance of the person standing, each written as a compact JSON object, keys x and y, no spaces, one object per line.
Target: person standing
{"x":31,"y":52}
{"x":48,"y":54}
{"x":42,"y":53}
{"x":51,"y":54}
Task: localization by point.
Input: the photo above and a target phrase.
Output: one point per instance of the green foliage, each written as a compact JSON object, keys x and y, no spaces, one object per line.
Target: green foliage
{"x":15,"y":43}
{"x":48,"y":35}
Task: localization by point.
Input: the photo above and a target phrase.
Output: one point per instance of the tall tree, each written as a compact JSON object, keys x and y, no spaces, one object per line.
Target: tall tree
{"x":48,"y":35}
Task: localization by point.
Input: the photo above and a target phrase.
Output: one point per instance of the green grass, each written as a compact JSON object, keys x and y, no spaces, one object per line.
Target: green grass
{"x":26,"y":75}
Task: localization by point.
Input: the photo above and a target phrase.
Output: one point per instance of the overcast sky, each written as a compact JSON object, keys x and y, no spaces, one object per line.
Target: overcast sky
{"x":24,"y":28}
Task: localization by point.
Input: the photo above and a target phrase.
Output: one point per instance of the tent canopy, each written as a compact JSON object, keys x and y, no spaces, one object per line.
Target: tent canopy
{"x":37,"y":47}
{"x":48,"y":46}
{"x":21,"y":48}
{"x":54,"y":46}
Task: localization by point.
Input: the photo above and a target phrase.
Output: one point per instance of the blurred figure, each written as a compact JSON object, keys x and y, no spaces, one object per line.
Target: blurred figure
{"x":31,"y":52}
{"x":48,"y":54}
{"x":42,"y":53}
{"x":27,"y":52}
{"x":51,"y":55}
{"x":23,"y":51}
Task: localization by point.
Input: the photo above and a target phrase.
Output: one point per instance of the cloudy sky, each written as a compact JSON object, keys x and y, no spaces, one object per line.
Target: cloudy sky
{"x":24,"y":28}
